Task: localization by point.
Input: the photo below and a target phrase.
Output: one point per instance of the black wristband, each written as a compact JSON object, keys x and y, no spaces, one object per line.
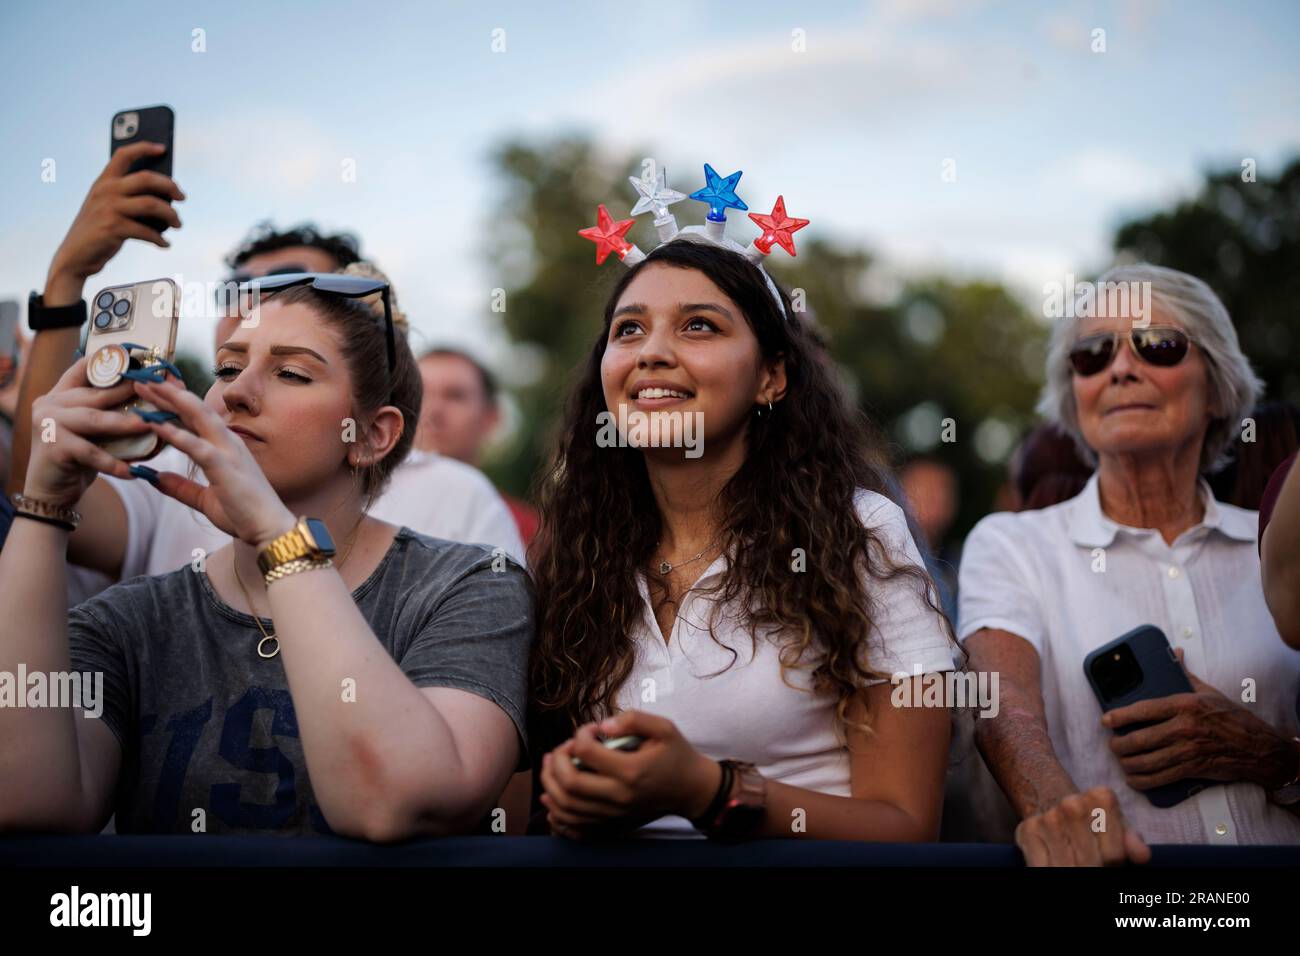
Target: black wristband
{"x":705,"y":819}
{"x":65,"y":525}
{"x":42,"y":318}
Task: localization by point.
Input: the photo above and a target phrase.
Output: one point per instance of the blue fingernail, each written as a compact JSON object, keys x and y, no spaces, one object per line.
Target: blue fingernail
{"x":157,"y":416}
{"x":145,"y":472}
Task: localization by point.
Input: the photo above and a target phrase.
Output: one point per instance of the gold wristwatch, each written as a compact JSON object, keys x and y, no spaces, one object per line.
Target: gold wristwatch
{"x":305,"y":546}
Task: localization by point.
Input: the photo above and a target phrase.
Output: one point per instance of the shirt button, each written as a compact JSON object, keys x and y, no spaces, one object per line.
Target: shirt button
{"x":1175,"y":571}
{"x":1221,"y":829}
{"x":1187,"y":632}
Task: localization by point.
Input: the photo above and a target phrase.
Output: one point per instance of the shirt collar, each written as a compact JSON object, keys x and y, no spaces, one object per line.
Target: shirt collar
{"x":1090,"y":528}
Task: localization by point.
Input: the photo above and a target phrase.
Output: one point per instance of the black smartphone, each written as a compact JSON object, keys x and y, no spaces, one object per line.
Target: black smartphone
{"x":8,"y":340}
{"x":1140,"y":665}
{"x":156,"y":125}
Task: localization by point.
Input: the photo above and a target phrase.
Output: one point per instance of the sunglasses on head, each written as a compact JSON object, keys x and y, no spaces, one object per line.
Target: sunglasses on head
{"x":1163,"y":347}
{"x":226,"y":296}
{"x":352,"y":287}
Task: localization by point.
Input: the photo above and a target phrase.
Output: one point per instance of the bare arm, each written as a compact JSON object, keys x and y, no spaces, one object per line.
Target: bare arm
{"x":1015,"y":744}
{"x":58,"y":769}
{"x":105,"y":221}
{"x":1280,"y":560}
{"x":394,"y":760}
{"x":1060,"y":826}
{"x":897,"y":780}
{"x":48,"y":357}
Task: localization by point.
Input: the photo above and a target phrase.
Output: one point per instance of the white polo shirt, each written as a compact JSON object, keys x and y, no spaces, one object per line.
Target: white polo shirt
{"x":1037,"y":574}
{"x":744,"y":710}
{"x":428,"y":493}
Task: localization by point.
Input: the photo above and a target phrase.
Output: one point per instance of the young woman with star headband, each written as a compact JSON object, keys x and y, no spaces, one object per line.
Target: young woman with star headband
{"x":265,"y":688}
{"x":735,"y":617}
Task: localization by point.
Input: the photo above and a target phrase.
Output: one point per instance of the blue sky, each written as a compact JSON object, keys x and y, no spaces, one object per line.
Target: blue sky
{"x":1053,"y":143}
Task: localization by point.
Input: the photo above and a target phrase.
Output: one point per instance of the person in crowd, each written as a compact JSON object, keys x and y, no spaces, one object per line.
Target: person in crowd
{"x":741,"y":606}
{"x":1279,"y":536}
{"x":272,"y":690}
{"x":1046,"y":469}
{"x":930,"y":487}
{"x":1267,"y":437}
{"x":1152,"y":401}
{"x":128,"y":532}
{"x":461,"y":412}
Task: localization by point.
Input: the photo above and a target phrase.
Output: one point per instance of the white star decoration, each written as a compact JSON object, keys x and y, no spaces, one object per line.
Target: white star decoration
{"x":655,"y":195}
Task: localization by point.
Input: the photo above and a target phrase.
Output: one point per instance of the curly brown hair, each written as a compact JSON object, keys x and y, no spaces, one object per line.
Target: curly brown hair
{"x":805,"y":463}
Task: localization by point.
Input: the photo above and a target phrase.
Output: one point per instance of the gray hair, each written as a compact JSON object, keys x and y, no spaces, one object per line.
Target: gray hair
{"x":1234,"y":386}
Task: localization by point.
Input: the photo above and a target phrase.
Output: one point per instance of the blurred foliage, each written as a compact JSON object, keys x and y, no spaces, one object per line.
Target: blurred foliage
{"x":1243,"y":238}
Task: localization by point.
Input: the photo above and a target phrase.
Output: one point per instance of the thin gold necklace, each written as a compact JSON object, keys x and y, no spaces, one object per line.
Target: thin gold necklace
{"x":269,"y":645}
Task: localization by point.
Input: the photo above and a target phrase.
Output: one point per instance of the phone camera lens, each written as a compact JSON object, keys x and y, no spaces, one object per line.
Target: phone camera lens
{"x":102,"y":320}
{"x":121,"y":307}
{"x":130,"y":130}
{"x":105,"y":300}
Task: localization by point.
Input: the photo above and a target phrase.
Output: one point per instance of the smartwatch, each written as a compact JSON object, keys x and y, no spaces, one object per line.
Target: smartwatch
{"x":41,"y":318}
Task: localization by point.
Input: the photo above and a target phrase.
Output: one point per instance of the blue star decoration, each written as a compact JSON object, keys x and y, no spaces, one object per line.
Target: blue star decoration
{"x":720,"y":193}
{"x":655,"y":195}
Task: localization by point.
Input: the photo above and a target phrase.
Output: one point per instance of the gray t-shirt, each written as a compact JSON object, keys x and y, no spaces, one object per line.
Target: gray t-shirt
{"x":206,"y":724}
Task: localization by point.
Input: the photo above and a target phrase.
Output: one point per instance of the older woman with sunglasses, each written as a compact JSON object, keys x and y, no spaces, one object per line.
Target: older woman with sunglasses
{"x":1154,"y":395}
{"x":286,"y":685}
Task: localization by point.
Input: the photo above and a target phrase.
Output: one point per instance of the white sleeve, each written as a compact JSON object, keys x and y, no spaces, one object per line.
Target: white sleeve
{"x":907,"y":633}
{"x":143,"y":505}
{"x":995,"y":583}
{"x":491,"y":523}
{"x":144,"y":508}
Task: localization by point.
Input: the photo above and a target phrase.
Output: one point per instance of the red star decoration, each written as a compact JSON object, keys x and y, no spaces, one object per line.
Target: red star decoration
{"x":777,"y":228}
{"x":608,"y":234}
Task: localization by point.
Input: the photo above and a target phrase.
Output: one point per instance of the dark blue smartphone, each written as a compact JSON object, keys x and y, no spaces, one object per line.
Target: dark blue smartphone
{"x":1140,"y":665}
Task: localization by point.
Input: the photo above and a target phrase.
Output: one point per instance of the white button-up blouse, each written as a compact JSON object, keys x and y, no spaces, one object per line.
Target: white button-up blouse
{"x":1067,"y":579}
{"x":742,"y":708}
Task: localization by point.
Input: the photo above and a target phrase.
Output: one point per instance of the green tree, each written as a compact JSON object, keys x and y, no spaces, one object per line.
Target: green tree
{"x":1243,"y":238}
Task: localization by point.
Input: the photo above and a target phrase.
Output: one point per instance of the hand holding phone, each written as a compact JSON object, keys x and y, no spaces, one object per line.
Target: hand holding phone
{"x":626,"y":743}
{"x":123,"y":195}
{"x":1140,"y":665}
{"x":132,"y":331}
{"x":151,"y":124}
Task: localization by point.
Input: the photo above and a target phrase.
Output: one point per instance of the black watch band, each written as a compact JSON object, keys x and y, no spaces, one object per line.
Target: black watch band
{"x":41,"y":318}
{"x":705,"y":819}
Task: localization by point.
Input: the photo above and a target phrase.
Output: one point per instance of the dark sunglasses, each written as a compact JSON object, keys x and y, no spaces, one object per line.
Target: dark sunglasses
{"x":352,"y":287}
{"x":227,"y":300}
{"x":1164,"y":347}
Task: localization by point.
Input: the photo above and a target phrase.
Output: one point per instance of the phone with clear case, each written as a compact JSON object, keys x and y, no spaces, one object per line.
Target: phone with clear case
{"x":131,"y":327}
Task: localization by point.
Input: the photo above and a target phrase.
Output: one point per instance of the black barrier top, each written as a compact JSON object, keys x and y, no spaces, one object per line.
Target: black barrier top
{"x":490,"y":851}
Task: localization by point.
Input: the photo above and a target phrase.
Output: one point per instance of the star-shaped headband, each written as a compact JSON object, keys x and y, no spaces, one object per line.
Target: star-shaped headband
{"x":719,"y":193}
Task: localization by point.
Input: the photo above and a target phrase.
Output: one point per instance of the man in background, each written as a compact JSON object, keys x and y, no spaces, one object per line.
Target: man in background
{"x":460,"y":414}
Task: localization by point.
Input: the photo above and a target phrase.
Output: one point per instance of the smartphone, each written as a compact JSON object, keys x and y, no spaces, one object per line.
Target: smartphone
{"x":131,"y":326}
{"x":627,"y":743}
{"x":8,"y":340}
{"x":152,"y":123}
{"x":1140,"y":665}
